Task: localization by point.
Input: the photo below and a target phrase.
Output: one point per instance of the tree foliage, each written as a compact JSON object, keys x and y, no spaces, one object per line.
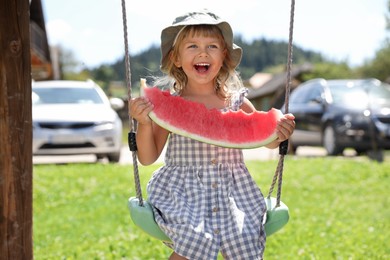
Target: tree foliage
{"x":379,"y":66}
{"x":330,"y":70}
{"x":261,"y":54}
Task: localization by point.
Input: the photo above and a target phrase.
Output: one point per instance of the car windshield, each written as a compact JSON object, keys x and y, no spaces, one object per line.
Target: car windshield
{"x":65,"y":96}
{"x":361,"y":94}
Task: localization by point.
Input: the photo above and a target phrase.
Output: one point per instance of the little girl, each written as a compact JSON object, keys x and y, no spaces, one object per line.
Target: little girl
{"x":204,"y":198}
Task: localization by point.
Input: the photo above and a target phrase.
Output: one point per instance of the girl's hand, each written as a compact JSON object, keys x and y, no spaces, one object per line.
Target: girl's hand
{"x":285,"y":127}
{"x":139,"y":109}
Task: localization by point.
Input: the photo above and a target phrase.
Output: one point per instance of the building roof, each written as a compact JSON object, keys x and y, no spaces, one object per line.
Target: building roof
{"x":276,"y":82}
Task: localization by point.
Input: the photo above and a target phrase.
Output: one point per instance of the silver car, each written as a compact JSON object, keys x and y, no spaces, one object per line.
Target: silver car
{"x":75,"y":117}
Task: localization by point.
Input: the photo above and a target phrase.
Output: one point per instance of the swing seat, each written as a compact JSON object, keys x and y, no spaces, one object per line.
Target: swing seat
{"x":143,"y":217}
{"x":277,"y":217}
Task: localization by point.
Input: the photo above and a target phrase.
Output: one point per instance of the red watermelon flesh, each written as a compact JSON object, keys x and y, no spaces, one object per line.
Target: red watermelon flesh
{"x":235,"y":129}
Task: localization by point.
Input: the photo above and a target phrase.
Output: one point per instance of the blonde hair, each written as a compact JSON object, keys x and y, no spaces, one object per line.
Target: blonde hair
{"x":227,"y":79}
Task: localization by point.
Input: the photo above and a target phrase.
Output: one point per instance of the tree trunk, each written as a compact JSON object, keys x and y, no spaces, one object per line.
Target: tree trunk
{"x":15,"y":131}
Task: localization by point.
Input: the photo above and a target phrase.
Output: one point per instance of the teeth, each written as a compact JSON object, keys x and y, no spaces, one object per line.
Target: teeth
{"x":203,"y":64}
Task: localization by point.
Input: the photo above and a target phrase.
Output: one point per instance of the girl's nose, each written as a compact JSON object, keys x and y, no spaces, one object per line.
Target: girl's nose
{"x":203,"y":51}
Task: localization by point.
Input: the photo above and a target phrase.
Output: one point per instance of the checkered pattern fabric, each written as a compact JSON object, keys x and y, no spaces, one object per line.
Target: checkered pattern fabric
{"x":206,"y":201}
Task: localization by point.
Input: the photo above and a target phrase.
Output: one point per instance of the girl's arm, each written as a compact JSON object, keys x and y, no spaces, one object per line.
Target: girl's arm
{"x":150,"y":137}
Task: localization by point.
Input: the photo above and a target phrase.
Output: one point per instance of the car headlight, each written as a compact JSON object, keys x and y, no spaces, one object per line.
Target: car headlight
{"x":101,"y":126}
{"x":347,"y":118}
{"x":367,"y":113}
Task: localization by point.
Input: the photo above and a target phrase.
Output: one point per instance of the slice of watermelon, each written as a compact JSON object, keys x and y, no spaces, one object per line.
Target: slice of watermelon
{"x":235,"y":129}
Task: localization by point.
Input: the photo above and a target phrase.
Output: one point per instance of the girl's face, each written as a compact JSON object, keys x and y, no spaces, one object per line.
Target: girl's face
{"x":201,"y":58}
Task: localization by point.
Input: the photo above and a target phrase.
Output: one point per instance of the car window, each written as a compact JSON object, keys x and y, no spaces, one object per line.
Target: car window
{"x":379,"y":94}
{"x":360,"y":94}
{"x":298,"y":96}
{"x":306,"y":94}
{"x":314,"y":95}
{"x":348,"y":95}
{"x":66,"y":96}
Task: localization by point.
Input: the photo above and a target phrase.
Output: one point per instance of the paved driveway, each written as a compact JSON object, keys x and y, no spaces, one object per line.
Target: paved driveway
{"x":126,"y":156}
{"x":249,"y":154}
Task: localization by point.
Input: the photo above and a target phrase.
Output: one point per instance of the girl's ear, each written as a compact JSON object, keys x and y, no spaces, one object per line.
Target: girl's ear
{"x":175,"y":60}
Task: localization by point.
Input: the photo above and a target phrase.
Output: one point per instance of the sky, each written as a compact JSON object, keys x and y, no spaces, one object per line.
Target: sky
{"x":341,"y":30}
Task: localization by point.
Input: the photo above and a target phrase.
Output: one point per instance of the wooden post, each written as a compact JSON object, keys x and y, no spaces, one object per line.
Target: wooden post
{"x":15,"y":131}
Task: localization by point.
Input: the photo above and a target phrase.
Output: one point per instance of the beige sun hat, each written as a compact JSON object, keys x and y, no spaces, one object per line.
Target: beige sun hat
{"x":169,"y":34}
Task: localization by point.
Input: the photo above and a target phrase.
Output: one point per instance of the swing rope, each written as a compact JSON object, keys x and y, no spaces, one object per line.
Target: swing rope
{"x":132,"y":123}
{"x":283,"y":147}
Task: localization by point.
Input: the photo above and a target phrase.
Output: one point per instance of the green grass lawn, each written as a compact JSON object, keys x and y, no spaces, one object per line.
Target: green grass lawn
{"x":339,"y":209}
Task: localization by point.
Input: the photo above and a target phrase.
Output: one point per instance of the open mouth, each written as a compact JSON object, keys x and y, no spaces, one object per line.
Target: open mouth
{"x":202,"y":67}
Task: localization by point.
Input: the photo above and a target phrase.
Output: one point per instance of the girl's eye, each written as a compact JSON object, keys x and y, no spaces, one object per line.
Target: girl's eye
{"x":195,"y":46}
{"x":213,"y":46}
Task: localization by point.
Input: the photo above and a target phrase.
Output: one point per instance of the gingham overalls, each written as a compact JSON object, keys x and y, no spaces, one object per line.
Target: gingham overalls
{"x":206,"y":201}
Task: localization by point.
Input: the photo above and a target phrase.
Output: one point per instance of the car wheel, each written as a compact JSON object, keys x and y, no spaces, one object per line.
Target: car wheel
{"x":360,"y":151}
{"x":100,"y":157}
{"x":330,"y":142}
{"x":114,"y":157}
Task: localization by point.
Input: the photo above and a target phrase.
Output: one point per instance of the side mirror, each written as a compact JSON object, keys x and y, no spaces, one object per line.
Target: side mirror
{"x":317,"y":100}
{"x":117,"y":103}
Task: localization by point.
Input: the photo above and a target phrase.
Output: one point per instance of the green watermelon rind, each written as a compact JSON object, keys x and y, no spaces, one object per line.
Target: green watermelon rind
{"x":176,"y":130}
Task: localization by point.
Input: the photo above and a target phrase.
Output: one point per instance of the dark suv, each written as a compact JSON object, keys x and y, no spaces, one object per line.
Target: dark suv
{"x":339,"y":114}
